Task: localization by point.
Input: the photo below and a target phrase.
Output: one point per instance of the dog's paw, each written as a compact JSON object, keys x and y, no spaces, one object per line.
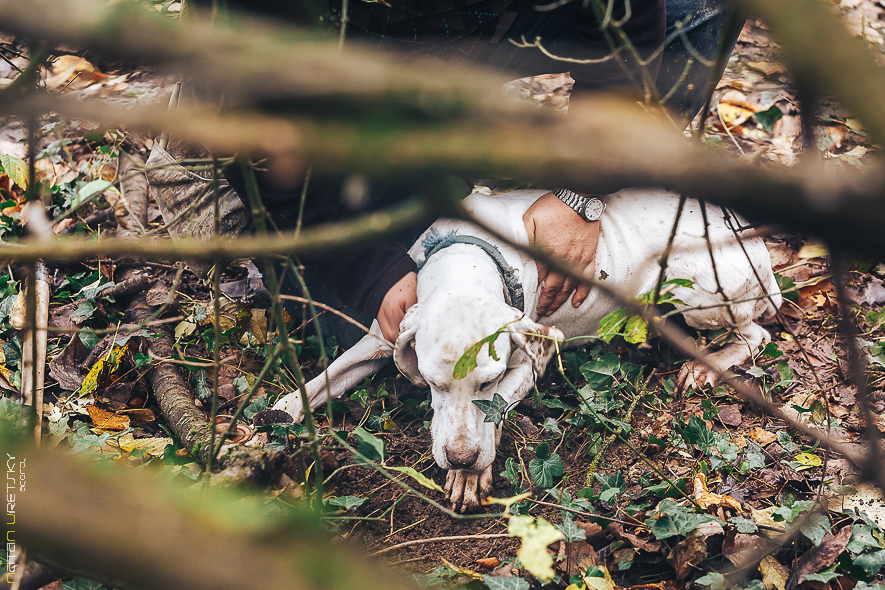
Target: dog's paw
{"x":694,"y":374}
{"x":466,"y":489}
{"x":291,"y":404}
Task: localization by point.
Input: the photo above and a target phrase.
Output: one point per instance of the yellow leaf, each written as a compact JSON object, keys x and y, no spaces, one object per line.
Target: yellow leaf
{"x":419,"y":477}
{"x":463,"y":570}
{"x":106,"y":420}
{"x":100,"y":374}
{"x":508,"y":502}
{"x":184,"y":329}
{"x":535,"y":535}
{"x":153,"y":447}
{"x":774,"y":574}
{"x":258,"y":325}
{"x":596,"y":583}
{"x":813,"y":249}
{"x":733,"y":115}
{"x":808,"y":461}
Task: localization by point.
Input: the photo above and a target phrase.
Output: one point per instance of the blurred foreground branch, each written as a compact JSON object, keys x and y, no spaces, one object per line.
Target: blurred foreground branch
{"x":301,"y":103}
{"x":186,"y":539}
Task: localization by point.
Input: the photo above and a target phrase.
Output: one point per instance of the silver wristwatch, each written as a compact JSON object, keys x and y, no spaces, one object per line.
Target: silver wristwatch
{"x":590,"y":208}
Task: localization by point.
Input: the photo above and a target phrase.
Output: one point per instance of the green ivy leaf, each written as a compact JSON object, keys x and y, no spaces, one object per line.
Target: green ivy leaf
{"x":871,"y":563}
{"x":141,"y":359}
{"x":82,"y":584}
{"x":545,"y":467}
{"x":502,"y":583}
{"x":755,"y":459}
{"x":608,"y":364}
{"x":347,"y":502}
{"x":467,"y":362}
{"x":861,"y":538}
{"x":84,"y":311}
{"x":816,"y":528}
{"x":670,"y":520}
{"x":743,"y":525}
{"x":511,"y":473}
{"x":201,"y":388}
{"x":88,"y":339}
{"x":612,"y":485}
{"x":369,"y":446}
{"x":494,"y":410}
{"x":573,"y":533}
{"x":258,"y":404}
{"x":824,"y":576}
{"x":767,"y":119}
{"x":550,"y":424}
{"x":714,"y":580}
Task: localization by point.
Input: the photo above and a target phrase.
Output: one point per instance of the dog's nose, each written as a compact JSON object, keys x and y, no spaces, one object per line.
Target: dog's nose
{"x":462,"y":458}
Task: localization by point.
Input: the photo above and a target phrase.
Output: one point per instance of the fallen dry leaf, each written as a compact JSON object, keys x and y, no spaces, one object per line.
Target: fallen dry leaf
{"x":741,"y":549}
{"x":72,"y":72}
{"x":105,"y":420}
{"x":774,"y":574}
{"x":762,"y":437}
{"x":489,"y":562}
{"x":730,"y":415}
{"x":824,"y":555}
{"x":688,"y":553}
{"x":705,"y":499}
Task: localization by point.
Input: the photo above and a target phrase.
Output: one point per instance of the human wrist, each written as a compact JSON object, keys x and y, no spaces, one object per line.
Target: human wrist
{"x":589,"y":207}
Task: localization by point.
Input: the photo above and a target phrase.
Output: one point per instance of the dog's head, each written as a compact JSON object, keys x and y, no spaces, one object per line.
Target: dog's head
{"x":433,"y":337}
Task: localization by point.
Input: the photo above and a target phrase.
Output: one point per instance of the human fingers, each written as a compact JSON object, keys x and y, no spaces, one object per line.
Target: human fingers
{"x":581,"y":293}
{"x":582,"y":290}
{"x":567,"y":287}
{"x":552,"y":285}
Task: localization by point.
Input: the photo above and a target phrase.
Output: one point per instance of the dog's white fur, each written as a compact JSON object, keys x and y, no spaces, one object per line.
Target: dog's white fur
{"x":461,"y":301}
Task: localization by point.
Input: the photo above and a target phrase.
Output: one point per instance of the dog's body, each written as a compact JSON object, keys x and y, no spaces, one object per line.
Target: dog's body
{"x":462,"y":300}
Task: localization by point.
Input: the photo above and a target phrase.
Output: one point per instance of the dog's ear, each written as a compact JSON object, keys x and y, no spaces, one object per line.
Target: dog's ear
{"x":538,"y":341}
{"x":404,"y":350}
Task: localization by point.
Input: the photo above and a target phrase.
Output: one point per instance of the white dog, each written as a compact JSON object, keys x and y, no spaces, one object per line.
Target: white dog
{"x":467,"y":291}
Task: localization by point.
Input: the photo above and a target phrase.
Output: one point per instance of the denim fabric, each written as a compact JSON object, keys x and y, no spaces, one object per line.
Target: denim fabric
{"x":706,"y":22}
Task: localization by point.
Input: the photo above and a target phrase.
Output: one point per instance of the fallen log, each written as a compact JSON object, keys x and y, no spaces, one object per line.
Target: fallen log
{"x":238,"y":464}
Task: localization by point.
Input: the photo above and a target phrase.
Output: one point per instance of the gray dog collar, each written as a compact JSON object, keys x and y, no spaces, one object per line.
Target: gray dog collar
{"x":433,"y":242}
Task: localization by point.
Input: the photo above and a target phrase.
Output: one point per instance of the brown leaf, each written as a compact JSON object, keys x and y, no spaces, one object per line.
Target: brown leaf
{"x":774,"y":574}
{"x":638,"y":542}
{"x":688,"y":553}
{"x":823,"y":556}
{"x":581,"y":556}
{"x":741,"y":549}
{"x":730,"y":415}
{"x":105,"y":420}
{"x":489,"y":562}
{"x":591,"y":529}
{"x":66,"y":368}
{"x":762,"y":437}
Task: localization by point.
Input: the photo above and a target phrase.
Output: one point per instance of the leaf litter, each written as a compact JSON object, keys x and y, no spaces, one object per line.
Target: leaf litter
{"x":737,"y":483}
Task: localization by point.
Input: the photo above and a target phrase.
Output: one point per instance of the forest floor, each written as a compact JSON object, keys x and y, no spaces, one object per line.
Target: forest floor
{"x":619,"y":504}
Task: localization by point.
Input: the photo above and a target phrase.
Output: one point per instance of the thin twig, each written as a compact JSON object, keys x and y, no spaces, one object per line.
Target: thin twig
{"x":438,"y":540}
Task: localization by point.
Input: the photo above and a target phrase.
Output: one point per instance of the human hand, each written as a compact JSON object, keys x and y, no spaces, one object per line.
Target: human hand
{"x":398,"y":299}
{"x":562,"y":233}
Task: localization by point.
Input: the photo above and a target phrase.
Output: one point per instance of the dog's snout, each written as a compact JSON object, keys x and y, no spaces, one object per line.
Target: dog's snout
{"x":461,"y":458}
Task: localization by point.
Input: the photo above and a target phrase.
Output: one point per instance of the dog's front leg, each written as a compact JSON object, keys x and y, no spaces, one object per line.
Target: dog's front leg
{"x":363,"y":360}
{"x":466,"y":489}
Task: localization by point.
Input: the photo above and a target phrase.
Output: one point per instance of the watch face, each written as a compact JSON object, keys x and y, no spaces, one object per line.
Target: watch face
{"x":593,"y":210}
